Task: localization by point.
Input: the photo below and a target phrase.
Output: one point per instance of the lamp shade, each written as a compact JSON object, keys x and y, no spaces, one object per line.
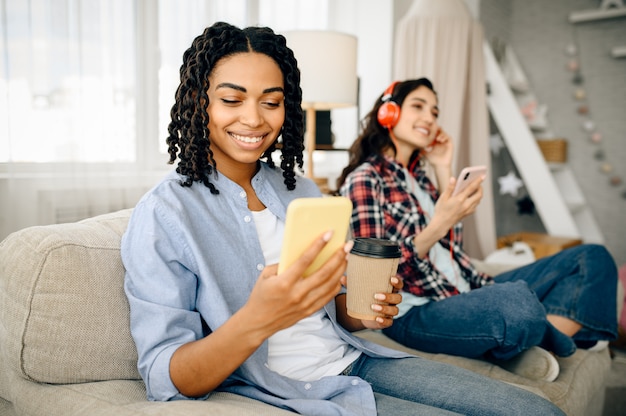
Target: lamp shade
{"x":327,"y":63}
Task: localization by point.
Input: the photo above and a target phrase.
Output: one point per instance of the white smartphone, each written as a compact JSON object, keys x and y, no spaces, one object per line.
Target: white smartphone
{"x":466,"y":177}
{"x":307,"y":219}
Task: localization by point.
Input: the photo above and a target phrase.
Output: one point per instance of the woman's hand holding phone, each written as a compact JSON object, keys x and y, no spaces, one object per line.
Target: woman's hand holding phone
{"x":449,"y":210}
{"x":312,"y":261}
{"x":460,"y":198}
{"x":280,"y":299}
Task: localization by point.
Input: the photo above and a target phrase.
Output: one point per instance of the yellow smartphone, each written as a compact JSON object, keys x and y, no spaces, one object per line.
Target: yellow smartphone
{"x":307,"y":219}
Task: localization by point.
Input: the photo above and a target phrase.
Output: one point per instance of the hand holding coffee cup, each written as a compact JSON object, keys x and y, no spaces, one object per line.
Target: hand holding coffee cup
{"x":371,"y":264}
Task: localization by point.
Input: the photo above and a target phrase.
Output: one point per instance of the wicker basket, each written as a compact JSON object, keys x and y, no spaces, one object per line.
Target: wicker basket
{"x":554,"y":150}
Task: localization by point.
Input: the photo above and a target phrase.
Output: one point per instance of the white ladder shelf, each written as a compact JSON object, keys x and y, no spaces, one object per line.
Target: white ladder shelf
{"x":553,"y":189}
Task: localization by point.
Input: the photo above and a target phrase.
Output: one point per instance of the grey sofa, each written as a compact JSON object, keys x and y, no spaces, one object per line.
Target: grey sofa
{"x":66,"y":349}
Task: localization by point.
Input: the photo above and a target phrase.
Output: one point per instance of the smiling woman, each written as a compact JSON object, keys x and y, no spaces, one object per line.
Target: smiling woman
{"x":246,"y":103}
{"x":228,"y":116}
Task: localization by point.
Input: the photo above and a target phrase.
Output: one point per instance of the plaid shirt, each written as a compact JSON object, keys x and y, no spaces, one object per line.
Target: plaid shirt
{"x":385,"y":207}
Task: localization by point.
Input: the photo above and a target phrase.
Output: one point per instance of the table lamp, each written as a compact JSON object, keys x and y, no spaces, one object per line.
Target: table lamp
{"x":327,"y":63}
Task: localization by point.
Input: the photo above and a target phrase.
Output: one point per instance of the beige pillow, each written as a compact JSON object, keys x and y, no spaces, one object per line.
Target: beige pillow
{"x":64,"y":314}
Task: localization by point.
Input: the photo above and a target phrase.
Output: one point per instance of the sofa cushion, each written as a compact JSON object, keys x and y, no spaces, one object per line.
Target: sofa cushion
{"x":65,"y":316}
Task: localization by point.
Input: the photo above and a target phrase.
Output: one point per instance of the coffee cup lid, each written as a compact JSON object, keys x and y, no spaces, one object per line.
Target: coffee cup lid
{"x":376,"y":247}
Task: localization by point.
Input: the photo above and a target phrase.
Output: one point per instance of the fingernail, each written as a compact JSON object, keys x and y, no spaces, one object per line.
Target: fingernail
{"x":394,"y":279}
{"x":380,"y":320}
{"x":376,"y":307}
{"x":380,"y":296}
{"x":348,"y":246}
{"x":327,"y":235}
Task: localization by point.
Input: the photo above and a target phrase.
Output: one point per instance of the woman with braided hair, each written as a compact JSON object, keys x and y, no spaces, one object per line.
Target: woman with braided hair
{"x":188,"y":131}
{"x":209,"y":311}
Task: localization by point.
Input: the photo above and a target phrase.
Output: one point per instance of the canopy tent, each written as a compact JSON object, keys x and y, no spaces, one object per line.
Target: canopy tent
{"x":440,"y":40}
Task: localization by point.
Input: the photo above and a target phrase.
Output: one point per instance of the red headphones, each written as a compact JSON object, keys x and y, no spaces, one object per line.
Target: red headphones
{"x":389,"y":112}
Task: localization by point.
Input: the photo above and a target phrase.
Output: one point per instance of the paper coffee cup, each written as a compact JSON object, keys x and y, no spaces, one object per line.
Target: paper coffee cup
{"x":371,"y":264}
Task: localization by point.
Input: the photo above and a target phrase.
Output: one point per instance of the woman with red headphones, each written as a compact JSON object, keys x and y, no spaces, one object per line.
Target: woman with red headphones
{"x":555,"y":304}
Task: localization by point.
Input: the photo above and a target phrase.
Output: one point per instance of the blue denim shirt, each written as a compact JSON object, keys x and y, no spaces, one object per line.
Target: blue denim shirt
{"x":190,"y":257}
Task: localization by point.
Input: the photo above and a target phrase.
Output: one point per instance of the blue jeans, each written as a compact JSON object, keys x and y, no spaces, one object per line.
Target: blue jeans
{"x":508,"y":317}
{"x":412,"y":386}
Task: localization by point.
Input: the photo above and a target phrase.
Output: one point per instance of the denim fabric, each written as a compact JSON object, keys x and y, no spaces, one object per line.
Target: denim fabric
{"x":509,"y":316}
{"x":451,"y":390}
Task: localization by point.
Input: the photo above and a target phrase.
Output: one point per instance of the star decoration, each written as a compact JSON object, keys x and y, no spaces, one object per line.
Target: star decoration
{"x":525,"y":205}
{"x":509,"y":184}
{"x":496,"y":144}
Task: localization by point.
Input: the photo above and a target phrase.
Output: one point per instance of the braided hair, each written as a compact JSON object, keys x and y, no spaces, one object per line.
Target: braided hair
{"x":189,"y":137}
{"x":374,"y":138}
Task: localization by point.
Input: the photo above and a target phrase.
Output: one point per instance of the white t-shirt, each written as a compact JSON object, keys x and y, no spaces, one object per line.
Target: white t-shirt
{"x":310,"y":349}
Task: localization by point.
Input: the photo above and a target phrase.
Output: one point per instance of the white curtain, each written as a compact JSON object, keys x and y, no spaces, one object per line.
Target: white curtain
{"x":67,"y":81}
{"x":67,"y":109}
{"x":440,"y":40}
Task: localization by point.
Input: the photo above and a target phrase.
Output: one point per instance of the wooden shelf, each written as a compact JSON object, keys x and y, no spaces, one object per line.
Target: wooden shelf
{"x":604,"y":12}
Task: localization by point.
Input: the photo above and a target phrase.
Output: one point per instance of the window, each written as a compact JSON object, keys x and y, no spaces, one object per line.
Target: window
{"x":67,"y":81}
